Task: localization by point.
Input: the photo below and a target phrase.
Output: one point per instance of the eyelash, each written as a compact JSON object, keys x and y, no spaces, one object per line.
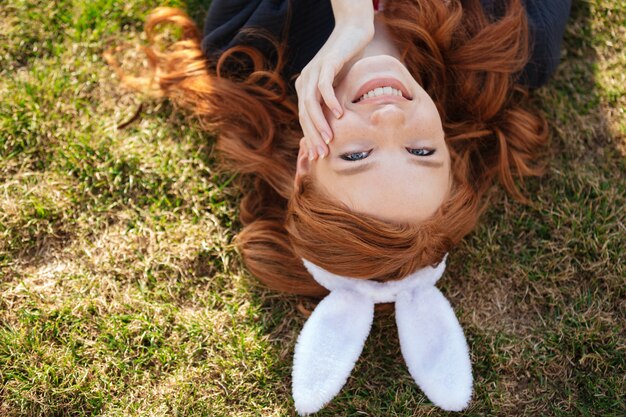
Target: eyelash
{"x":348,"y":156}
{"x":423,"y":152}
{"x":426,"y":152}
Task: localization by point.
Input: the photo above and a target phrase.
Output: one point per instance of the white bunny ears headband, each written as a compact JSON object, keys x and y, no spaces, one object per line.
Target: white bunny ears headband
{"x":431,"y":338}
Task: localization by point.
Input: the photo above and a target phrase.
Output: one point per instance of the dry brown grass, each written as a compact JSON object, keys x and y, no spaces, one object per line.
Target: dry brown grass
{"x":121,"y":292}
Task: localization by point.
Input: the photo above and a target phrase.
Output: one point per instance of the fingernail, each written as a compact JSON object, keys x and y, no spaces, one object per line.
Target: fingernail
{"x":322,"y":152}
{"x":337,"y":113}
{"x":326,"y":137}
{"x":311,"y":156}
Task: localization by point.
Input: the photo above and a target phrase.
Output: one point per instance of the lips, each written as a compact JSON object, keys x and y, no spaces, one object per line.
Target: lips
{"x":382,"y":82}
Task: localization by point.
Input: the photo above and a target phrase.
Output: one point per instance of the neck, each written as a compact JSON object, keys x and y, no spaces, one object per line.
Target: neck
{"x":382,"y":43}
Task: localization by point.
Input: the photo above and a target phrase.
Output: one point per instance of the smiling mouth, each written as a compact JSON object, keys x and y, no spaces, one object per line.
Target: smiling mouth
{"x":380,"y":92}
{"x":389,"y":88}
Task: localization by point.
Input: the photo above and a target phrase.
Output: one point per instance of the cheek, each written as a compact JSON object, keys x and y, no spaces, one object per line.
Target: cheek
{"x":324,"y":178}
{"x":431,"y":113}
{"x":319,"y":168}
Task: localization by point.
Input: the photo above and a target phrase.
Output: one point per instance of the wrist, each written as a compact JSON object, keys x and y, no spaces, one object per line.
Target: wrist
{"x":353,"y":12}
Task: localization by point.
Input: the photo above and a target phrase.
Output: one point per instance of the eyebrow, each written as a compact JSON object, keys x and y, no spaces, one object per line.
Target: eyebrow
{"x":369,"y":165}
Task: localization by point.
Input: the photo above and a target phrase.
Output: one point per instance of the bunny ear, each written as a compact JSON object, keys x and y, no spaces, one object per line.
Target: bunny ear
{"x":434,"y":347}
{"x":329,"y":345}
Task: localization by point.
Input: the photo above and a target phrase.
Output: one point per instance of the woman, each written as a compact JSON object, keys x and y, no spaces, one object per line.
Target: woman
{"x":464,"y":60}
{"x":409,"y":115}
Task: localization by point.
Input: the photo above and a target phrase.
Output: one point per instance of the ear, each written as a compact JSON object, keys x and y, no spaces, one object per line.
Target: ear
{"x":303,"y":166}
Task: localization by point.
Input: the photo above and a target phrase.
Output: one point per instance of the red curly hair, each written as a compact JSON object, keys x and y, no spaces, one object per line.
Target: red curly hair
{"x":466,"y":61}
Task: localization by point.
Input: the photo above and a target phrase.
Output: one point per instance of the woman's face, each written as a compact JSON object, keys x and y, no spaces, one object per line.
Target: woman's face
{"x":388,"y":157}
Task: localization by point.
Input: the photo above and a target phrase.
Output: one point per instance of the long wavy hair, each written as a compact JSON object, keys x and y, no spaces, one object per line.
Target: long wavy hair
{"x":467,"y":61}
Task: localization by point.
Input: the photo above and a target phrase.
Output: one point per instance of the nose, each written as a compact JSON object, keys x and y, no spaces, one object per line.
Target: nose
{"x":388,"y":114}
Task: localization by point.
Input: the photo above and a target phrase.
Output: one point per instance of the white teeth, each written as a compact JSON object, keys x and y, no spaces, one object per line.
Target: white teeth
{"x":382,"y":91}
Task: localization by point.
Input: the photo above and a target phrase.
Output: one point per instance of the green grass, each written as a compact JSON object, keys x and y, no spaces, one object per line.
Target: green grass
{"x":121,"y":293}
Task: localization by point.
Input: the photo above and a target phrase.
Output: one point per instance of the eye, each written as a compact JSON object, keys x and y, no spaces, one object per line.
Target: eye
{"x":355,"y":156}
{"x":420,"y":151}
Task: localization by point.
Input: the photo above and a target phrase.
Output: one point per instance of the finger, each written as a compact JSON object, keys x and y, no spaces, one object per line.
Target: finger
{"x":310,"y":134}
{"x":325,"y":86}
{"x":299,"y":81}
{"x":317,"y":140}
{"x":308,"y":123}
{"x":305,"y":145}
{"x":312,"y":120}
{"x":314,"y":110}
{"x":307,"y":128}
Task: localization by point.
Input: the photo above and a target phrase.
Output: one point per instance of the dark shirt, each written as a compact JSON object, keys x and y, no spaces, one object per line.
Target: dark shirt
{"x":307,"y":24}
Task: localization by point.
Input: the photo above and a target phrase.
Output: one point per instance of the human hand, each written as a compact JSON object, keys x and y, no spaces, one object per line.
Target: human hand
{"x":354,"y":29}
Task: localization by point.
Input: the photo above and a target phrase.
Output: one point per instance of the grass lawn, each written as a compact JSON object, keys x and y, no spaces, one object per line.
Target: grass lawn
{"x":121,"y":293}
